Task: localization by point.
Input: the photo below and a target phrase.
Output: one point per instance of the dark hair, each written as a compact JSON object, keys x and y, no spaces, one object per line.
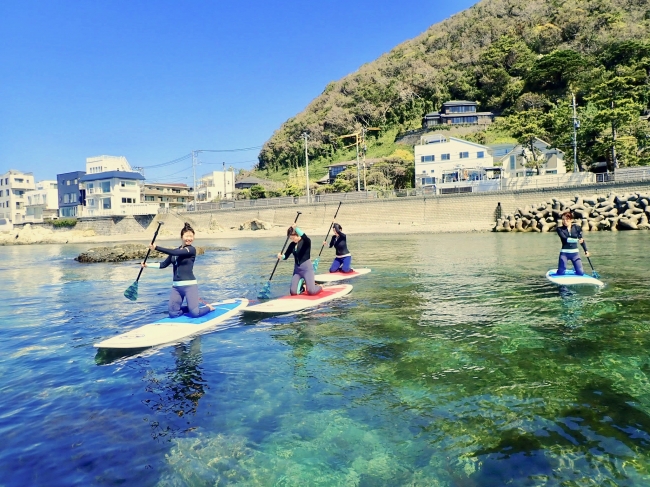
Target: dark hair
{"x":187,"y":228}
{"x":567,"y":214}
{"x":337,"y":227}
{"x":291,"y":231}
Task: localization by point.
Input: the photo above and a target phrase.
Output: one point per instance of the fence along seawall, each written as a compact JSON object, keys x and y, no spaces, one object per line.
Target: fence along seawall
{"x":441,"y":213}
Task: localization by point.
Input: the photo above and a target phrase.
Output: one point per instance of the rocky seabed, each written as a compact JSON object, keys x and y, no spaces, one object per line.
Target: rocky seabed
{"x":593,"y":213}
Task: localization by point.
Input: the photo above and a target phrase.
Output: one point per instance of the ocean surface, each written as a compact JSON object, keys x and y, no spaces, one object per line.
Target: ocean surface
{"x":454,"y":363}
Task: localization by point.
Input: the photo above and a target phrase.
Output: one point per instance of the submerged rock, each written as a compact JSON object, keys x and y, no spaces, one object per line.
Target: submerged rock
{"x":120,"y":253}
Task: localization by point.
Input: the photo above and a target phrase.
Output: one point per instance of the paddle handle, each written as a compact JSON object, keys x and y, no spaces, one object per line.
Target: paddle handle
{"x":277,"y":261}
{"x":330,"y":229}
{"x":148,"y":251}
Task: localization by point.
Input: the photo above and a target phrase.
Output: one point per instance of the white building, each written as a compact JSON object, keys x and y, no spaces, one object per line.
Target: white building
{"x":42,"y":202}
{"x":99,"y":164}
{"x":441,"y":159}
{"x":13,"y":186}
{"x":216,"y":185}
{"x":550,"y":161}
{"x":111,"y":188}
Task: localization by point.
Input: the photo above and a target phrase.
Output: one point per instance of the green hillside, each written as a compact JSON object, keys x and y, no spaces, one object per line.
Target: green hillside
{"x":519,"y":58}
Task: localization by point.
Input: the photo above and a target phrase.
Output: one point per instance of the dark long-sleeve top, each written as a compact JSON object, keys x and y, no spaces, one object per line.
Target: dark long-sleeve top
{"x":340,"y":243}
{"x":182,"y":260}
{"x":301,"y":251}
{"x":570,"y":238}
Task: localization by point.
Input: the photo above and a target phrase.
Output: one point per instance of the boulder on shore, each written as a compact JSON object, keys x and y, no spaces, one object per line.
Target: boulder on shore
{"x":255,"y":224}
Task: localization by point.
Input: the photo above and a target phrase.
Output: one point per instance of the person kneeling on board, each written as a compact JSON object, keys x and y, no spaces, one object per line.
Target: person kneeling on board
{"x":184,"y":284}
{"x":343,"y":260}
{"x":300,"y":247}
{"x":571,"y":236}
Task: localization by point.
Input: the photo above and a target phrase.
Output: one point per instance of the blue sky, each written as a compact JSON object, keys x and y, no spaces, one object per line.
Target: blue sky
{"x":152,"y":80}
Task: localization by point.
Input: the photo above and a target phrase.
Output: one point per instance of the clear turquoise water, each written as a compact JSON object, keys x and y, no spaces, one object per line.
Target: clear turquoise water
{"x":455,"y":363}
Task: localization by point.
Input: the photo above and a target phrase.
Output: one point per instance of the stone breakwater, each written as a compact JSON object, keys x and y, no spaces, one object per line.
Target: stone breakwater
{"x":593,"y":213}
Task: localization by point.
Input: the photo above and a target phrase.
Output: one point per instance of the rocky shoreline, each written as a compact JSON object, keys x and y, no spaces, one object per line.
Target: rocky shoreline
{"x":593,"y":213}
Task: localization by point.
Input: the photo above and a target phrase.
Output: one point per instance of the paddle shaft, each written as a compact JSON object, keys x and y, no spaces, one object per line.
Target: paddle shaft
{"x":285,"y":244}
{"x":148,"y":251}
{"x":328,"y":232}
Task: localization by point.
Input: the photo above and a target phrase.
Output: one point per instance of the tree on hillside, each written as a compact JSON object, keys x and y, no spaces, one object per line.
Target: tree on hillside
{"x":257,"y":192}
{"x":617,"y":97}
{"x":526,"y":127}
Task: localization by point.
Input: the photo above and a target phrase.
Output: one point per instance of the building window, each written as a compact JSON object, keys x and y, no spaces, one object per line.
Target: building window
{"x":67,"y":182}
{"x":480,"y":155}
{"x":427,"y":158}
{"x":73,"y":197}
{"x":149,"y":198}
{"x":106,"y":186}
{"x":89,"y":188}
{"x":552,"y":172}
{"x":444,"y":157}
{"x":128,"y":200}
{"x":106,"y":203}
{"x":66,"y":198}
{"x":464,"y":155}
{"x":513,"y":161}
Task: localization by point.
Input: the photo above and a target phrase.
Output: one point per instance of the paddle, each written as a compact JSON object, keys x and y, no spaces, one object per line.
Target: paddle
{"x":132,"y":291}
{"x":265,"y":293}
{"x":317,"y":260}
{"x":594,"y":273}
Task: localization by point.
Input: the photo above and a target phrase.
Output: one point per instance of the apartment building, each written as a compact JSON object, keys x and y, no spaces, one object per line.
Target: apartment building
{"x":13,"y":186}
{"x":42,"y":203}
{"x":69,"y":194}
{"x":173,"y":196}
{"x":216,"y":185}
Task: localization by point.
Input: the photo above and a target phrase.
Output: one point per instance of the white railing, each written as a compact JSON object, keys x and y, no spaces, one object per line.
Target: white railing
{"x":547,"y":181}
{"x":124,"y":210}
{"x":628,"y":174}
{"x":285,"y":200}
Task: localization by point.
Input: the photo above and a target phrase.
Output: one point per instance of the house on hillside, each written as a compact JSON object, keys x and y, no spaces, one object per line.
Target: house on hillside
{"x":216,"y":184}
{"x":440,"y":159}
{"x":337,"y":168}
{"x":250,"y":181}
{"x":514,"y":162}
{"x":460,"y":112}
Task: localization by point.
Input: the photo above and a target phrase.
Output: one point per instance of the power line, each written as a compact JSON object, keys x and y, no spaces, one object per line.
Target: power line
{"x":180,"y":159}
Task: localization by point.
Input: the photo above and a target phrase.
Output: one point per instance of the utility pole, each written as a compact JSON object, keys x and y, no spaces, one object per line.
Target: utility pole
{"x":194,"y":175}
{"x":356,"y":136}
{"x":614,"y":160}
{"x":305,"y":136}
{"x":363,"y":150}
{"x":576,"y":125}
{"x":224,"y":181}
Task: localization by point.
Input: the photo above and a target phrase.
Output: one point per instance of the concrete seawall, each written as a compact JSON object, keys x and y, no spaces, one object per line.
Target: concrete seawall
{"x":447,"y":213}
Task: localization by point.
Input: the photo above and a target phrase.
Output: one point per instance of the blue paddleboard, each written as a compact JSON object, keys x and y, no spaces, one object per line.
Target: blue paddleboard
{"x":570,"y":278}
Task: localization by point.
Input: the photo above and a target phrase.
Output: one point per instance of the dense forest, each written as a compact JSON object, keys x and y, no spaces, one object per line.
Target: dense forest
{"x":523,"y":59}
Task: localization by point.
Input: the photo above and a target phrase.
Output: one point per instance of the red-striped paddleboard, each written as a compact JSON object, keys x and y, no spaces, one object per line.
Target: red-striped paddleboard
{"x":288,"y":304}
{"x":340,"y":276}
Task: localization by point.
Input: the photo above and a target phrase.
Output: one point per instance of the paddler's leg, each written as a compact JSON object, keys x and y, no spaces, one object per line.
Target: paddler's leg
{"x":336,"y":265}
{"x":347,"y":264}
{"x":561,"y":265}
{"x":294,"y":281}
{"x":577,"y":264}
{"x":192,"y":297}
{"x":175,"y":302}
{"x":307,"y":271}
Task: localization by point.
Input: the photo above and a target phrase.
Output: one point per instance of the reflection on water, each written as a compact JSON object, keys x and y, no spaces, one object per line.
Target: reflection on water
{"x":455,"y":363}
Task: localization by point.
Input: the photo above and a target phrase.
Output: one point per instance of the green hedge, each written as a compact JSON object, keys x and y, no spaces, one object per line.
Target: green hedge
{"x":64,"y":222}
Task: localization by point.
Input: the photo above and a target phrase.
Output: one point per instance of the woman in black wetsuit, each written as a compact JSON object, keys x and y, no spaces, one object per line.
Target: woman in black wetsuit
{"x":300,"y":247}
{"x":343,"y":260}
{"x":571,"y":235}
{"x":184,"y":284}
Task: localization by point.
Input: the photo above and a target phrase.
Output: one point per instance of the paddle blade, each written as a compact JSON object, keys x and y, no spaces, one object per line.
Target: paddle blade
{"x":316,"y":263}
{"x":132,"y":292}
{"x":596,"y":275}
{"x":265,"y":293}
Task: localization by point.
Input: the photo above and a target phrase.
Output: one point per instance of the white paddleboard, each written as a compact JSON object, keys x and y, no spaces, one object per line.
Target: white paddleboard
{"x":570,"y":278}
{"x":169,"y":330}
{"x":288,"y":304}
{"x":340,"y":276}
